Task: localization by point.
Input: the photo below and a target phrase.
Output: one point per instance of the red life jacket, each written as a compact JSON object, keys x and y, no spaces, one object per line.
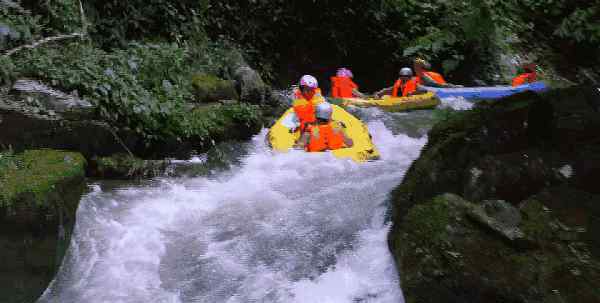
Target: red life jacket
{"x":323,"y":137}
{"x":524,"y":78}
{"x":407,"y":87}
{"x":342,"y":87}
{"x":434,"y":76}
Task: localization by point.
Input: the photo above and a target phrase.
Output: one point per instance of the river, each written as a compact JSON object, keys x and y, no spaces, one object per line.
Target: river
{"x":246,"y":224}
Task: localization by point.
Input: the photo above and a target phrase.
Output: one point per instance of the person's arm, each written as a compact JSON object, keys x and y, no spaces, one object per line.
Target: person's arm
{"x":385,"y":91}
{"x":303,"y":141}
{"x":356,"y":93}
{"x":428,"y":81}
{"x":338,"y":129}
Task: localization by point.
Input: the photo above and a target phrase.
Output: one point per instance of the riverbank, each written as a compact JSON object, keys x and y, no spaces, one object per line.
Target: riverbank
{"x":501,"y":206}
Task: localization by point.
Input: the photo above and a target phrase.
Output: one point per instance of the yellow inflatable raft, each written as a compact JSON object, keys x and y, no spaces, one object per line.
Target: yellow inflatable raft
{"x":281,"y":139}
{"x":423,"y":101}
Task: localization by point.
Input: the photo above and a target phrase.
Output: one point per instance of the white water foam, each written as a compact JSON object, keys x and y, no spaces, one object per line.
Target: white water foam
{"x":456,"y":103}
{"x":292,"y":227}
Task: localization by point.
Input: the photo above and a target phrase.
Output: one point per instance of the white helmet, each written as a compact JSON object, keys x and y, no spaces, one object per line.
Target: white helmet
{"x":309,"y":81}
{"x":324,"y":111}
{"x":405,"y":71}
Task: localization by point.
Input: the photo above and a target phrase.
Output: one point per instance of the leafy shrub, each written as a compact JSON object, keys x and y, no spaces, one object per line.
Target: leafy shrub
{"x":17,"y":25}
{"x":582,"y":25}
{"x":145,"y":88}
{"x":60,"y":16}
{"x":117,"y":22}
{"x":7,"y":71}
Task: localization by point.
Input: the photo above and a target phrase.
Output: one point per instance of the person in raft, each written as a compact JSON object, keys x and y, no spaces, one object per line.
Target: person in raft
{"x":342,"y":85}
{"x":529,"y":76}
{"x":429,"y":78}
{"x":324,"y":134}
{"x":307,"y":97}
{"x":406,"y":85}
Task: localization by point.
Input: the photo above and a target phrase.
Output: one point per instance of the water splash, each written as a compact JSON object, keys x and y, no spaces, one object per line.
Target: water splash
{"x":456,"y":103}
{"x":291,"y":227}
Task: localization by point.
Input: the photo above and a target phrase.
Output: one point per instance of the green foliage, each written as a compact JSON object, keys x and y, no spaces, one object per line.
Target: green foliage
{"x":17,"y":26}
{"x":145,"y":87}
{"x":567,"y":20}
{"x":60,"y":16}
{"x":7,"y":71}
{"x":216,"y":120}
{"x":582,"y":25}
{"x":7,"y":160}
{"x":117,"y":22}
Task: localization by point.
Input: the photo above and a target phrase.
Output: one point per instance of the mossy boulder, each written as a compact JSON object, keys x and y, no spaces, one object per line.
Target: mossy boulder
{"x":39,"y":194}
{"x":509,"y":149}
{"x":252,"y":88}
{"x":208,"y":88}
{"x":521,"y":219}
{"x":215,"y":122}
{"x":448,"y":256}
{"x":35,"y":175}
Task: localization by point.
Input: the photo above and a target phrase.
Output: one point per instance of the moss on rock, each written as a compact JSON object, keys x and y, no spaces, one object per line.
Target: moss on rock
{"x":38,"y":172}
{"x":39,"y":194}
{"x":445,"y":256}
{"x":208,"y":88}
{"x":537,"y":154}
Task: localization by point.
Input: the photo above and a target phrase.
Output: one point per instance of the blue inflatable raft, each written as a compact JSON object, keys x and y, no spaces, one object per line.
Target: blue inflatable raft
{"x":485,"y":92}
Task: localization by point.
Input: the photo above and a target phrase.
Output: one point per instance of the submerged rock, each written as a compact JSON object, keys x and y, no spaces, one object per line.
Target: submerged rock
{"x":39,"y":195}
{"x":521,"y":223}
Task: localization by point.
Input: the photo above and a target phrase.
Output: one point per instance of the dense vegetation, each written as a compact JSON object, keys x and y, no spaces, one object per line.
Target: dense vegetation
{"x":377,"y":37}
{"x":145,"y":86}
{"x":138,"y":57}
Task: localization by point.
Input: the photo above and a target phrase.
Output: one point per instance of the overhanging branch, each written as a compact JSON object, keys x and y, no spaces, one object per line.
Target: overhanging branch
{"x":42,"y":42}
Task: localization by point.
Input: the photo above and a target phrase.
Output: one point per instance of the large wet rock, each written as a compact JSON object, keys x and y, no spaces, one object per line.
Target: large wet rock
{"x":250,"y":85}
{"x":36,"y":116}
{"x":526,"y":166}
{"x":449,"y":255}
{"x":39,"y":194}
{"x":48,"y":100}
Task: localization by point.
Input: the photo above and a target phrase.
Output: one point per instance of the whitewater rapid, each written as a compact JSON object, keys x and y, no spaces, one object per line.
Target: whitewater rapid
{"x":275,"y":227}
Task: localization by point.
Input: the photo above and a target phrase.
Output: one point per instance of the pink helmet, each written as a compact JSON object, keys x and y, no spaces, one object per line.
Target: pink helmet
{"x":344,"y":72}
{"x":309,"y":81}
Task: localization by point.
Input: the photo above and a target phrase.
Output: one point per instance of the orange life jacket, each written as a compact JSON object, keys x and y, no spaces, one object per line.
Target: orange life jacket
{"x":434,"y":76}
{"x":524,"y":78}
{"x":305,"y":109}
{"x":342,"y":87}
{"x":323,"y":137}
{"x":407,"y":87}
